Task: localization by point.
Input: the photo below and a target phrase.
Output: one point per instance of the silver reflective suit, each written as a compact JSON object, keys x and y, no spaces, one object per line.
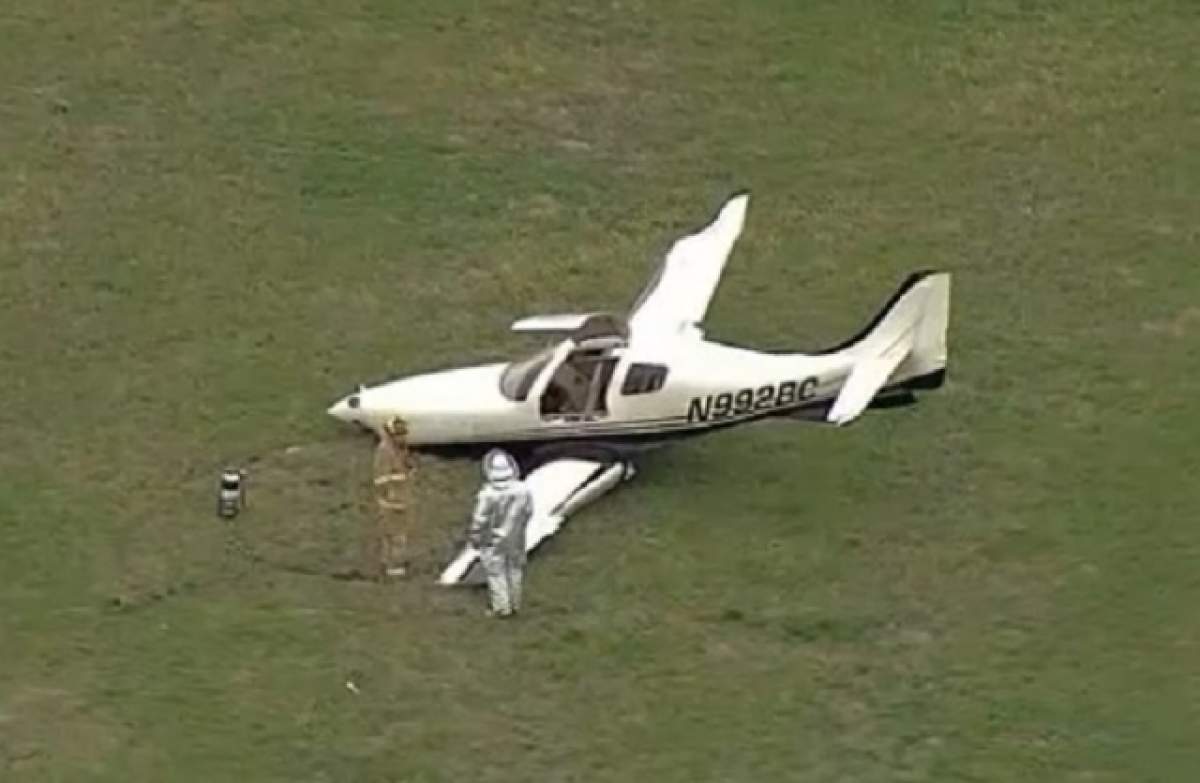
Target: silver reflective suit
{"x":503,"y":508}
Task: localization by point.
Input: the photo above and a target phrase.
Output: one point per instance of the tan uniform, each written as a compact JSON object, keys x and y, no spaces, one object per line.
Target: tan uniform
{"x":392,"y":472}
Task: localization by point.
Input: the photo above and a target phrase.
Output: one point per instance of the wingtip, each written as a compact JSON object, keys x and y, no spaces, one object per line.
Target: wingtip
{"x":737,"y":203}
{"x":742,"y":196}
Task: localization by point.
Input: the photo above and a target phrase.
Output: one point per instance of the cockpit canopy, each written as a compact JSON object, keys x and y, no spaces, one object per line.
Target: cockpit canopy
{"x":519,"y":376}
{"x":602,"y":325}
{"x":577,"y":326}
{"x":598,"y":331}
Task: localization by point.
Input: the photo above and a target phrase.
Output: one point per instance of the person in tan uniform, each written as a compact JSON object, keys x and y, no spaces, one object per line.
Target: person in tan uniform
{"x":393,"y":469}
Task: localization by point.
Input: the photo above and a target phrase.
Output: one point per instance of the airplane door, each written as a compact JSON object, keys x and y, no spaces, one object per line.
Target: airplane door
{"x":597,"y":403}
{"x":578,"y":390}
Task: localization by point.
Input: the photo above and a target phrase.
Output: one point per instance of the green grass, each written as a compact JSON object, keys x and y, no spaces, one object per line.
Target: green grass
{"x":216,"y":217}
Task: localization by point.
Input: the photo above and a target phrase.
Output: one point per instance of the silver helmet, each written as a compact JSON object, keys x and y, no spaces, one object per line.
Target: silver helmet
{"x":499,"y":467}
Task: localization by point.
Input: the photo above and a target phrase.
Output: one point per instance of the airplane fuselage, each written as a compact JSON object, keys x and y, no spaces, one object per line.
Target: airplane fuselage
{"x":602,"y":384}
{"x":654,"y":391}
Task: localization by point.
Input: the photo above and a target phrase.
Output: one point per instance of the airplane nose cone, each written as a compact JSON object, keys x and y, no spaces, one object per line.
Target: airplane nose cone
{"x":346,"y":409}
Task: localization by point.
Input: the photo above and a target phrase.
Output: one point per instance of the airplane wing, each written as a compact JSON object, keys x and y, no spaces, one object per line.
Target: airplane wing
{"x":678,"y":295}
{"x":866,"y":378}
{"x":560,"y":488}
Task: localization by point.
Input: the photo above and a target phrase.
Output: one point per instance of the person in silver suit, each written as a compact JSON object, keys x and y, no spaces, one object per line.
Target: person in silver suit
{"x":503,"y":508}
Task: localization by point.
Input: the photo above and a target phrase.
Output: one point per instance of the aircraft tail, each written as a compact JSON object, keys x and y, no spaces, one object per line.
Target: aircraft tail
{"x":905,"y":345}
{"x":927,"y":359}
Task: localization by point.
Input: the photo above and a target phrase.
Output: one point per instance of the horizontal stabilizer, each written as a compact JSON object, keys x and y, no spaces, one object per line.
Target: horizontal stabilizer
{"x":867,"y":377}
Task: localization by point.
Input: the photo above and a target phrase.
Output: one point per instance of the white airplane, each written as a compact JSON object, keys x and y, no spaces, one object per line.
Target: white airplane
{"x":576,"y":412}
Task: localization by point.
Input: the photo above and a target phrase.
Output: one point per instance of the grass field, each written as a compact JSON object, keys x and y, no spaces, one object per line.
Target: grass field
{"x":215,"y":218}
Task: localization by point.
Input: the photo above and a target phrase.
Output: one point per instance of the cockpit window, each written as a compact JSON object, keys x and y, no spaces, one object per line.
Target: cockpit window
{"x":644,"y":378}
{"x":518,"y":377}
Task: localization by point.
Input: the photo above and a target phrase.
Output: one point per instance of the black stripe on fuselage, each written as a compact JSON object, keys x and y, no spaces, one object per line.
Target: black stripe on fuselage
{"x":560,"y":429}
{"x":810,"y":410}
{"x":634,"y":436}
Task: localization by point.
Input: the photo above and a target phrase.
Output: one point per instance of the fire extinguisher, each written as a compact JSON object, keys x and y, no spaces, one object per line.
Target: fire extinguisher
{"x":231,"y":497}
